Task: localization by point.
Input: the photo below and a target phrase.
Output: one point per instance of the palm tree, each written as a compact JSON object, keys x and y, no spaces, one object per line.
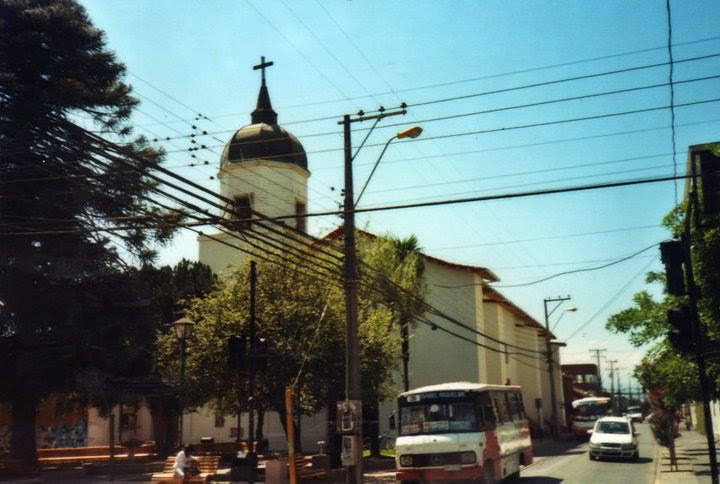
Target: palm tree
{"x":412,"y":266}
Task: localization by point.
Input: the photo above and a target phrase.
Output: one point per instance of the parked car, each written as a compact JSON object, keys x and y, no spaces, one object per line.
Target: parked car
{"x":614,"y":437}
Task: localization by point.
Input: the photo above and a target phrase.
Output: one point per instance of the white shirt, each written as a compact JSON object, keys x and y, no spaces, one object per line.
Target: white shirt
{"x":181,"y":460}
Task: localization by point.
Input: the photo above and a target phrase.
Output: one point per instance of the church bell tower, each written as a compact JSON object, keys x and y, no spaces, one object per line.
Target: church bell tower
{"x":263,"y":170}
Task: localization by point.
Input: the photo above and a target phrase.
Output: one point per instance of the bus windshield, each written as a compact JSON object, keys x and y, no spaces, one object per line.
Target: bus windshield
{"x":439,"y":417}
{"x":590,"y":409}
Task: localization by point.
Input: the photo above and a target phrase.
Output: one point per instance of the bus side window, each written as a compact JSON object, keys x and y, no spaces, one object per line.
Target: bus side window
{"x":501,"y":406}
{"x":487,"y":414}
{"x":515,"y":405}
{"x":488,"y":417}
{"x":521,"y":405}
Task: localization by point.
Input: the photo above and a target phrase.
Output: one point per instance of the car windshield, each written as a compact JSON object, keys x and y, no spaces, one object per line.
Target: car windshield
{"x":613,"y":428}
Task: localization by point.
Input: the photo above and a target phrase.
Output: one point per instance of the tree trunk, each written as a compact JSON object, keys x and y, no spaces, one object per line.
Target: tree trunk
{"x":671,"y":440}
{"x":405,"y":350}
{"x":371,"y":430}
{"x":22,"y":432}
{"x":282,"y":415}
{"x":259,"y":436}
{"x":163,"y":434}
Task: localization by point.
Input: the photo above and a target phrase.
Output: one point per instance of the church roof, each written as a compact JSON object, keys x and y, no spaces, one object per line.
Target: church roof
{"x":483,"y":272}
{"x":264,"y":138}
{"x":493,"y":295}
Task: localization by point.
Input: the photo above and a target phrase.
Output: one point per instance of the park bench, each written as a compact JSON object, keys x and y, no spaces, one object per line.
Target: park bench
{"x":208,"y":465}
{"x":304,"y":468}
{"x":64,"y":456}
{"x":223,"y":449}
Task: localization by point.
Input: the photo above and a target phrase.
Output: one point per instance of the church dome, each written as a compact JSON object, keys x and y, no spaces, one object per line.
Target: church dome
{"x":266,"y":141}
{"x":264,"y":138}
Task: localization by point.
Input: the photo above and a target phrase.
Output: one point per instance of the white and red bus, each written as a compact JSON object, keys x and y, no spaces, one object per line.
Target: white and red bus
{"x":461,"y":430}
{"x":585,"y":413}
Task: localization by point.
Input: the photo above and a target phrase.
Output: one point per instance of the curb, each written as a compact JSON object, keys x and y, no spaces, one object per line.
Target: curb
{"x":657,"y":464}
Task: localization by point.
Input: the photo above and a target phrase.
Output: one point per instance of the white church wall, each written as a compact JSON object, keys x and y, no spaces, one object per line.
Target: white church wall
{"x":203,"y":423}
{"x":436,"y":356}
{"x":275,"y":186}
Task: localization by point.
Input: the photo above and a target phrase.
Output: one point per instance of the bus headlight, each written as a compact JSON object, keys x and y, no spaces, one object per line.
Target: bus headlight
{"x":406,"y":460}
{"x":467,"y":457}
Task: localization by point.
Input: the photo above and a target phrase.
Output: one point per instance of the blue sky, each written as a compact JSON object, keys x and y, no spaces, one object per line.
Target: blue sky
{"x":447,"y":61}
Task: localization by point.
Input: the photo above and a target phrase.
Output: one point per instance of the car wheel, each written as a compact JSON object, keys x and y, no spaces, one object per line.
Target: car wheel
{"x":636,"y":456}
{"x":590,"y":456}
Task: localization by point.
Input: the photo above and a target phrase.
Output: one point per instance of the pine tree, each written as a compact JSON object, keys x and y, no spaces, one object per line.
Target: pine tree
{"x":70,"y":205}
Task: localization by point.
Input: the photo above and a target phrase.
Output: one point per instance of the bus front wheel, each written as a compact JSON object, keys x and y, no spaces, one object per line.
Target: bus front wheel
{"x":489,"y":472}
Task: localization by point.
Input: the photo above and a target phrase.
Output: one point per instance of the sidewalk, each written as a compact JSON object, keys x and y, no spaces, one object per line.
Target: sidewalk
{"x":692,"y":458}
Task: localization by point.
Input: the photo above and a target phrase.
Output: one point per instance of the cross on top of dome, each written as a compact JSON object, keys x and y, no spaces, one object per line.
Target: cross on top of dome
{"x":264,"y":112}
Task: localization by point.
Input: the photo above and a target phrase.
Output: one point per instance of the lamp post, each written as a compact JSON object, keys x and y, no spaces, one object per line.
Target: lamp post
{"x":550,"y":361}
{"x":351,"y":282}
{"x":183,"y":329}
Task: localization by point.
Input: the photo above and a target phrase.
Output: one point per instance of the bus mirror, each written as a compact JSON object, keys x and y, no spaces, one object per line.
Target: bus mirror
{"x":391,"y":422}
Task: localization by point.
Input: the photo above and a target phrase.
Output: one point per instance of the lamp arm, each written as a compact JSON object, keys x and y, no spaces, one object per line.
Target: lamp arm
{"x":377,"y":162}
{"x":366,"y":138}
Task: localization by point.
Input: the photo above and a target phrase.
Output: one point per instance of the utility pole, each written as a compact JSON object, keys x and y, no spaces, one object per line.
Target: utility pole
{"x":619,"y":391}
{"x":551,"y":361}
{"x":599,"y":372}
{"x":612,"y":384}
{"x":252,"y":455}
{"x":352,"y":284}
{"x":693,"y":290}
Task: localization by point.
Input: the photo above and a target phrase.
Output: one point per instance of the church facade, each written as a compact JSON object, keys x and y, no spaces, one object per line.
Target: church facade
{"x":264,"y":173}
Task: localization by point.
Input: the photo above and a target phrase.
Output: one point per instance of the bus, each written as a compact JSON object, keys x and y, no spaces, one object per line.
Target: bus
{"x":586,"y":411}
{"x":461,"y":431}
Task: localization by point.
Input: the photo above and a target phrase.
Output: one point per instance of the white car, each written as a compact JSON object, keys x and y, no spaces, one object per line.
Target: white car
{"x":613,"y":437}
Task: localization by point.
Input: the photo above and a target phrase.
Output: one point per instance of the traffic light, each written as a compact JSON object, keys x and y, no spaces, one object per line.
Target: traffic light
{"x":237,"y":353}
{"x":681,"y":323}
{"x":671,"y":254}
{"x":710,"y":177}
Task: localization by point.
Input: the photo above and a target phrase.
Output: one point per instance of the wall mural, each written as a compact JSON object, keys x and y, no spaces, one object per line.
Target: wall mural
{"x":63,"y":435}
{"x":48,"y":437}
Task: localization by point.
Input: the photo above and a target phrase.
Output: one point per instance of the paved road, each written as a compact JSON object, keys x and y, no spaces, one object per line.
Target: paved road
{"x":574,"y":467}
{"x":560,"y":461}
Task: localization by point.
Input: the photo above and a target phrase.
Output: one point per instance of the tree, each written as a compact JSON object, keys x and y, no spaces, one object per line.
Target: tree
{"x":301,"y":317}
{"x":671,"y":376}
{"x":62,"y":276}
{"x":671,"y":380}
{"x":394,"y":275}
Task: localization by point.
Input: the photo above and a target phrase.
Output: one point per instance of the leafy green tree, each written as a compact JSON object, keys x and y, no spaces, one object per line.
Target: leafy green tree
{"x":670,"y":376}
{"x":68,"y":305}
{"x":394,"y":276}
{"x":671,"y":380}
{"x":301,"y":317}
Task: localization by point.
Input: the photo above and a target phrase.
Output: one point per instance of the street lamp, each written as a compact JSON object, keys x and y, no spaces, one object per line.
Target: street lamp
{"x":351,"y":282}
{"x":567,"y":310}
{"x":183,"y":329}
{"x":550,"y":361}
{"x":412,"y":133}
